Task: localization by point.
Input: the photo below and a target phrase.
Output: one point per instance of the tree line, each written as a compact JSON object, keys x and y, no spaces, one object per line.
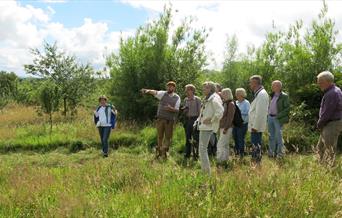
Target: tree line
{"x":159,"y":52}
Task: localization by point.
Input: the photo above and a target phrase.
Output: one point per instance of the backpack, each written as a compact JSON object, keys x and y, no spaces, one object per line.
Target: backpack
{"x":237,"y":121}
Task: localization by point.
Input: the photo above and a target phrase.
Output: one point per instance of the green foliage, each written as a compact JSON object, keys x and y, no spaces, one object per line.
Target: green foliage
{"x":150,"y":59}
{"x":49,"y":99}
{"x":28,"y":91}
{"x":124,"y":139}
{"x":294,"y":56}
{"x":8,"y":87}
{"x":299,"y":138}
{"x":74,"y":81}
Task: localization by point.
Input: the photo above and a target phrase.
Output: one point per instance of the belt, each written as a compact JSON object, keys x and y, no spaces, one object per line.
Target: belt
{"x":272,"y":115}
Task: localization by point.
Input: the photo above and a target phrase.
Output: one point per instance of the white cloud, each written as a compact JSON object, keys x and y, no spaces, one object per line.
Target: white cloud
{"x":88,"y":42}
{"x":19,"y":32}
{"x":249,"y":20}
{"x":24,"y":27}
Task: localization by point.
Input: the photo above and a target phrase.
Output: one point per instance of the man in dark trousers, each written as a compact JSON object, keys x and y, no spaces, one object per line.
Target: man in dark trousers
{"x":191,"y":110}
{"x":168,"y":108}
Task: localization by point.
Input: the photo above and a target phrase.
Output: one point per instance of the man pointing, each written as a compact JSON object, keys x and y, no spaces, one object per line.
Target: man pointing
{"x":168,"y":108}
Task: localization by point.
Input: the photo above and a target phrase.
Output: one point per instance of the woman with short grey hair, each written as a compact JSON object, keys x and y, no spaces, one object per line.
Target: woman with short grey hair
{"x":208,"y":122}
{"x":226,"y":126}
{"x":239,"y":133}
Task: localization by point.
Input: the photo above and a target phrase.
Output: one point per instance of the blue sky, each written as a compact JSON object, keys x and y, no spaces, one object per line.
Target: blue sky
{"x":118,"y":15}
{"x":91,"y":29}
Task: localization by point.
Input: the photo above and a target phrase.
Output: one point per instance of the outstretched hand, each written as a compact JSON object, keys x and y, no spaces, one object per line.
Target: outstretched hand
{"x":143,"y":91}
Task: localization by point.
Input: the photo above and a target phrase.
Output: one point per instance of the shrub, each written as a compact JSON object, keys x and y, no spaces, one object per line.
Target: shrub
{"x":125,"y":139}
{"x":76,"y":146}
{"x":148,"y":137}
{"x":298,"y":137}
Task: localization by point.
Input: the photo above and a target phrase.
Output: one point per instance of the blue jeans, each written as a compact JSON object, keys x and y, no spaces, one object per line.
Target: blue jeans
{"x":256,"y":138}
{"x":276,"y":139}
{"x":104,"y":135}
{"x":239,"y":134}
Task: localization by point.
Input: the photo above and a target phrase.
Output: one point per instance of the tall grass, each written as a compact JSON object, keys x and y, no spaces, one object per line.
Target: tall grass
{"x":22,"y":129}
{"x":71,"y":179}
{"x":57,"y":184}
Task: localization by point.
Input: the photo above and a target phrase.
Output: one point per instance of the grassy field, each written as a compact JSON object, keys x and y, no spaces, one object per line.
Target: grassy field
{"x":64,"y":175}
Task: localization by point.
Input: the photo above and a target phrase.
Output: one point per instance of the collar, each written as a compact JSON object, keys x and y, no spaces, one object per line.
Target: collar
{"x":193,"y":98}
{"x":170,"y":94}
{"x":276,"y":94}
{"x":330,"y":88}
{"x":210,"y":97}
{"x":257,"y":91}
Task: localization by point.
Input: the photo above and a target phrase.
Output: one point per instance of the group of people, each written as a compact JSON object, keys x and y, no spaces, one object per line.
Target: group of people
{"x":218,"y":117}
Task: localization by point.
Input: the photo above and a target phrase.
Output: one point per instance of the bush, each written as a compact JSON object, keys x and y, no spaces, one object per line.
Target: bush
{"x":298,"y":137}
{"x":77,"y":146}
{"x":124,"y":139}
{"x":148,"y":137}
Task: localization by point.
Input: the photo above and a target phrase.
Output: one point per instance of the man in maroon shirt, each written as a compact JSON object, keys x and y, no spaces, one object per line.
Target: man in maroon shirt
{"x":330,"y":118}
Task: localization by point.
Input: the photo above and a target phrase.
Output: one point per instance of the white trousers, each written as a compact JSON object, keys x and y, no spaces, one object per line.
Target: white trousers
{"x":223,"y":145}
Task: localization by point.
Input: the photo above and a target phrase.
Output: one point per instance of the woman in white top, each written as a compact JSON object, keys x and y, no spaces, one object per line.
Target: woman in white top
{"x":208,"y":122}
{"x":105,"y":119}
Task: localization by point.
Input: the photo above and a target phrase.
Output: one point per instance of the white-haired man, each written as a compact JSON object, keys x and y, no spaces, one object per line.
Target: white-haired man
{"x":278,"y":115}
{"x":330,"y":118}
{"x":257,"y":114}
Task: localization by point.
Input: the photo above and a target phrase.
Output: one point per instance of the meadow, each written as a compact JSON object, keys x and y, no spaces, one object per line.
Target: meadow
{"x":62,"y":174}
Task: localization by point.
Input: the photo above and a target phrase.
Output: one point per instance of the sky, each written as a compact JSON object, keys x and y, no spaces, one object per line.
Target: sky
{"x":91,"y":29}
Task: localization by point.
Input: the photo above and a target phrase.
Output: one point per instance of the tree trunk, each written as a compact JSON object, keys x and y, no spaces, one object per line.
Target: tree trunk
{"x":50,"y":123}
{"x":65,"y":106}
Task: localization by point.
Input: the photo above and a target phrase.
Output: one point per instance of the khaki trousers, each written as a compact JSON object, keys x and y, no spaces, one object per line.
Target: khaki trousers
{"x":164,"y":131}
{"x":327,"y":143}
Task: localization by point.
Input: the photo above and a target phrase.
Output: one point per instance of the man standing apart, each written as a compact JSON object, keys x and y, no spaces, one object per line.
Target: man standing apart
{"x":168,"y":108}
{"x":330,"y":118}
{"x":278,"y":115}
{"x":258,"y":111}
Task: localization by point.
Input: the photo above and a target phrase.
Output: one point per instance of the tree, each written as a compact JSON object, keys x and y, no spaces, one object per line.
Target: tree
{"x":230,"y":68}
{"x":8,"y":87}
{"x":49,"y":99}
{"x":151,"y":58}
{"x":74,"y":81}
{"x":294,"y":56}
